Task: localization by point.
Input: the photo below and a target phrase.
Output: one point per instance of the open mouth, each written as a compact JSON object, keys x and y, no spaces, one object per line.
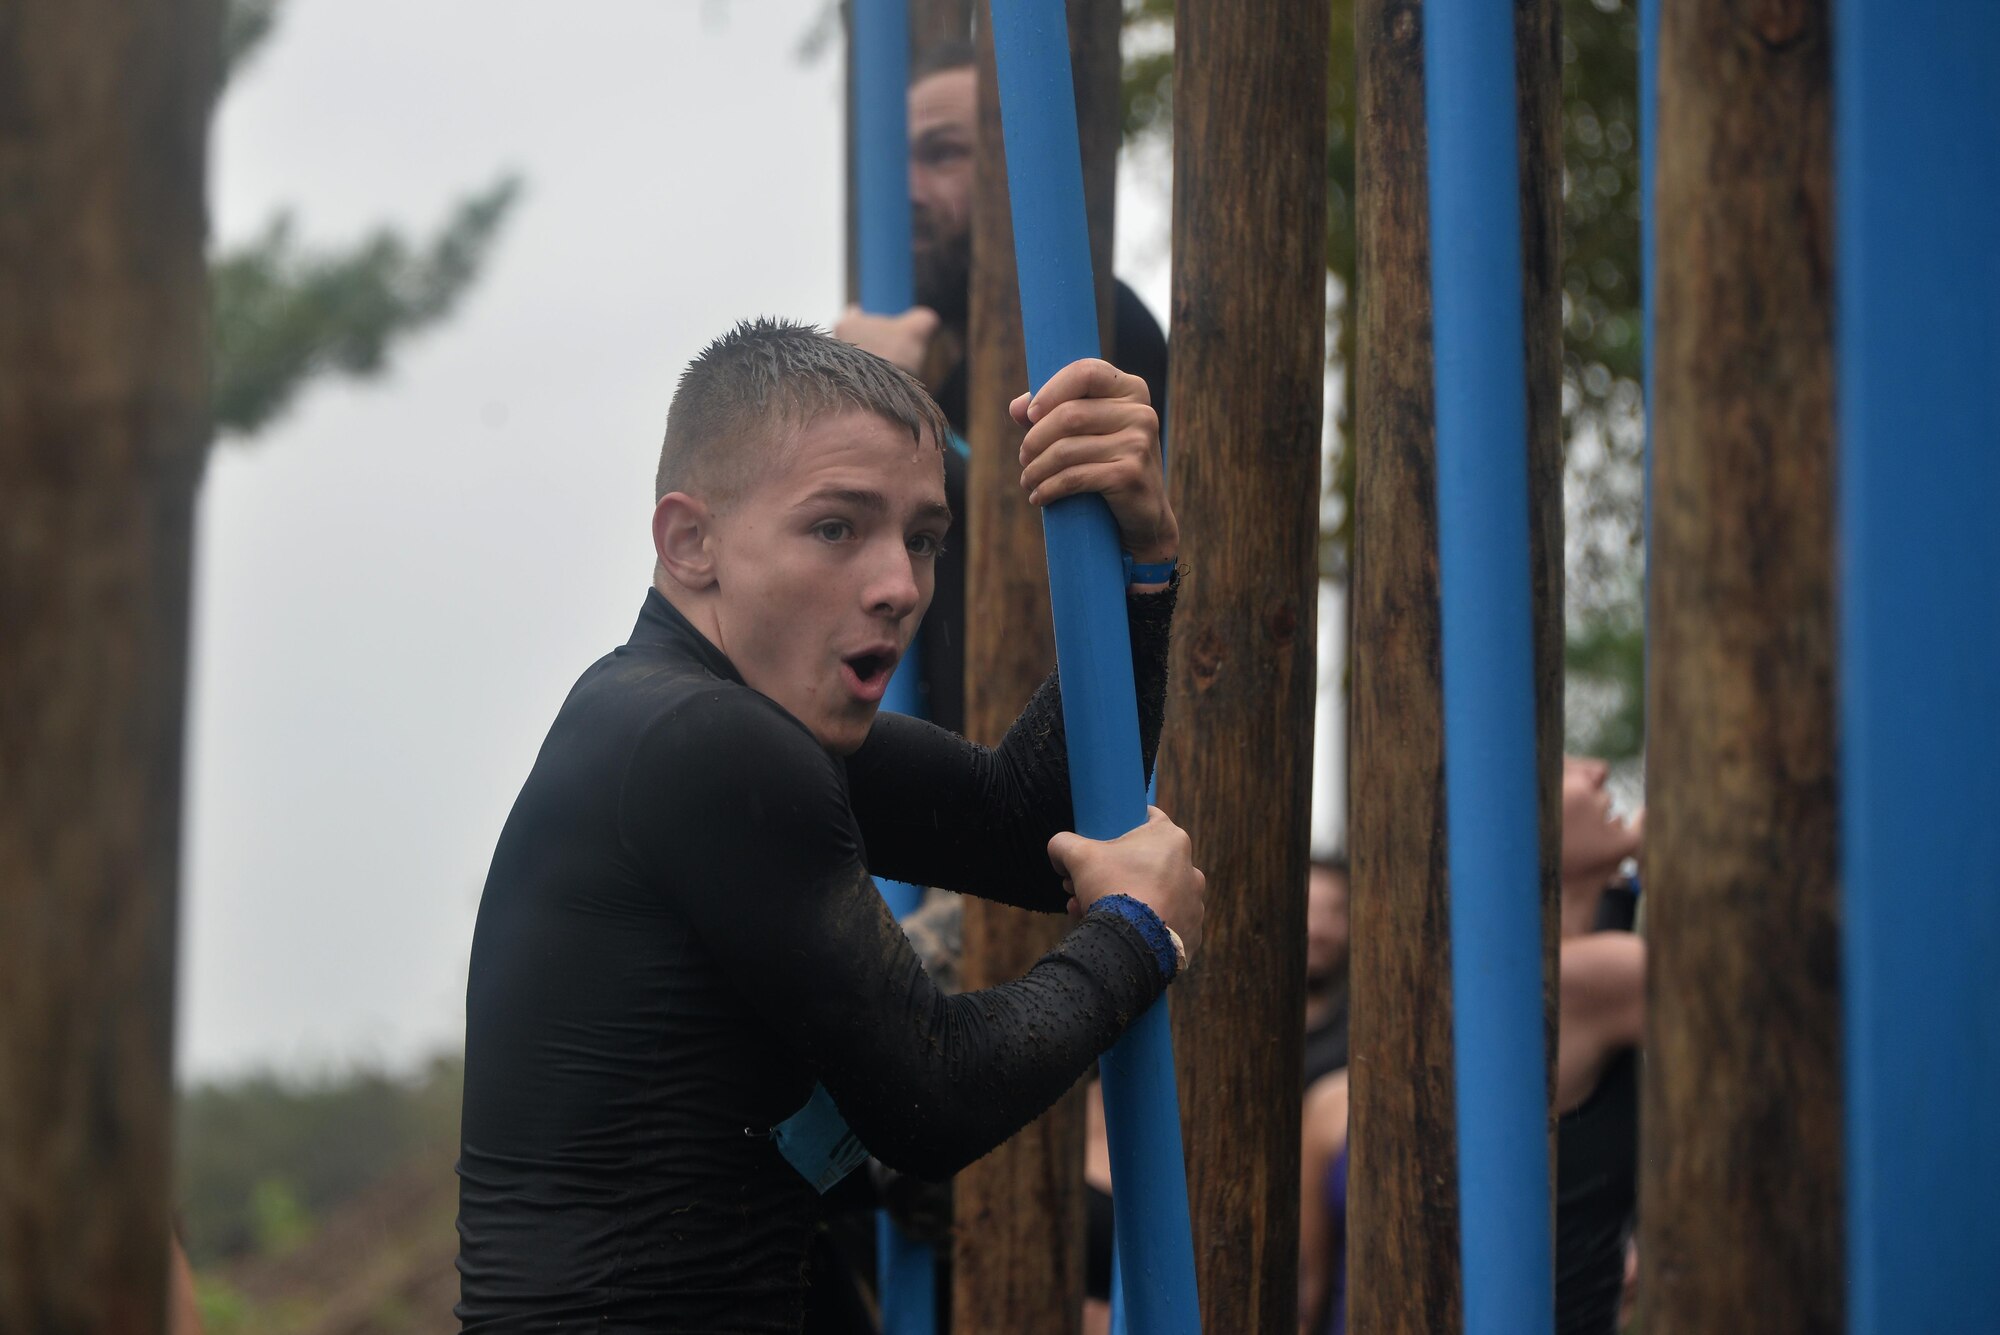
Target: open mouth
{"x":867,"y":667}
{"x":868,"y":673}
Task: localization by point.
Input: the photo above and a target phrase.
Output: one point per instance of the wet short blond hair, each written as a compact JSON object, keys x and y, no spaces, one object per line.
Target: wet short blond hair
{"x":758,"y":385}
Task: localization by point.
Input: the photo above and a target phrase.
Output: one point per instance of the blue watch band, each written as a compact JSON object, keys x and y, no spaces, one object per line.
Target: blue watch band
{"x":1150,"y":928}
{"x":1159,"y":572}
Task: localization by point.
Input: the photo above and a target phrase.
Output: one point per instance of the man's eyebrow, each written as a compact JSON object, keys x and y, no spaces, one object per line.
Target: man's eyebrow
{"x":874,"y":502}
{"x":859,"y":497}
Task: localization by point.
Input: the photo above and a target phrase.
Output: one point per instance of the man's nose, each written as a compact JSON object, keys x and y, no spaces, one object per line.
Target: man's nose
{"x":893,"y":591}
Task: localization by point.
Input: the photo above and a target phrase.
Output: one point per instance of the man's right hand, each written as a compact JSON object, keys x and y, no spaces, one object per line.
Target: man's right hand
{"x":903,"y":339}
{"x":1153,"y":864}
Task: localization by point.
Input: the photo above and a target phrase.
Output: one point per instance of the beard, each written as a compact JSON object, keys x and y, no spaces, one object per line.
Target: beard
{"x":943,"y":270}
{"x":1321,"y":981}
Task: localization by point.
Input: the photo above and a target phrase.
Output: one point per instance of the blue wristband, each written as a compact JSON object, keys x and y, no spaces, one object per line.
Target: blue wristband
{"x":1150,"y":927}
{"x":1159,"y":572}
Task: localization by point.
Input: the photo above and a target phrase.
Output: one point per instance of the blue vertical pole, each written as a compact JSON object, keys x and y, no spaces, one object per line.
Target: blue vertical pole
{"x":905,"y":1271}
{"x":1489,"y":696}
{"x":1917,"y":210}
{"x":881,"y":73}
{"x":1117,"y":1288}
{"x":1093,"y":645}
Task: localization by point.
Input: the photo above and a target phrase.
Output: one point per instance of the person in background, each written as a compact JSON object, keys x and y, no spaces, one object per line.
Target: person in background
{"x":1323,"y":1207}
{"x":1325,"y":1055}
{"x":1600,"y":1021}
{"x":1326,"y":968}
{"x":929,"y":339}
{"x":1323,"y":1158}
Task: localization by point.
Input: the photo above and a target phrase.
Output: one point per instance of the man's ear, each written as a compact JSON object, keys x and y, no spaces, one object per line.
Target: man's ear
{"x":682,"y":529}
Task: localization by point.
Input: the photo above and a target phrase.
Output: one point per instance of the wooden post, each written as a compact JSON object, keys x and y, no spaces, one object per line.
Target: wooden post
{"x":1018,"y":1258}
{"x":103,"y":426}
{"x":933,"y":21}
{"x":1402,"y":1179}
{"x":1741,"y":1173}
{"x":1538,"y":73}
{"x":1248,"y":375}
{"x":1403,"y":1234}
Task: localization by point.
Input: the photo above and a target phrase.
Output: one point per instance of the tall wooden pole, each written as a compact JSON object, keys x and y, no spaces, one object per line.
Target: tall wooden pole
{"x":1403,"y":1237}
{"x":1248,"y":375}
{"x":1402,"y":1248}
{"x":934,"y":21}
{"x":1538,"y":73}
{"x":1741,"y":1170}
{"x":103,"y":425}
{"x":1018,"y":1260}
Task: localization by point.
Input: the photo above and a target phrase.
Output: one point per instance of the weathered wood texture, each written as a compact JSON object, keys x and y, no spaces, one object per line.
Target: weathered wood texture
{"x":1538,"y":78}
{"x":934,"y":21}
{"x":1018,"y":1256}
{"x":1248,"y":382}
{"x":103,"y":425}
{"x":1403,"y":1273}
{"x":1741,"y":1166}
{"x":1403,"y":1240}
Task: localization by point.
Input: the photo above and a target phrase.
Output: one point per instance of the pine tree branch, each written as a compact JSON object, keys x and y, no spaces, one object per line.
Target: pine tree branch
{"x":285,"y":316}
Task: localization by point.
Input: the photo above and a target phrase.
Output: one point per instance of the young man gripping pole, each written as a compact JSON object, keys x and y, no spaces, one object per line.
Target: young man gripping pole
{"x":681,"y":965}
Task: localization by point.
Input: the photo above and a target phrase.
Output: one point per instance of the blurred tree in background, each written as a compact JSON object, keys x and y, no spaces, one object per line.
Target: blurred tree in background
{"x":311,"y":1205}
{"x":265,"y":1161}
{"x":286,"y":314}
{"x":263,"y":1158}
{"x":1603,"y":346}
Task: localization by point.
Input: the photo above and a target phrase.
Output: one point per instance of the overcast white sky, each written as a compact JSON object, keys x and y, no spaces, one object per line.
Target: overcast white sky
{"x":397,"y":584}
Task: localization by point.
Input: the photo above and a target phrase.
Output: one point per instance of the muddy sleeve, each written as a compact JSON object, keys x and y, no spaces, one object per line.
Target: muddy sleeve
{"x":764,"y":858}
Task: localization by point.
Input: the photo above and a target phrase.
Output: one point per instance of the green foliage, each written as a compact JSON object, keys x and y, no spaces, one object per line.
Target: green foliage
{"x":1605,"y":658}
{"x":223,"y":1310}
{"x":286,"y":315}
{"x":278,"y":1221}
{"x":262,"y":1157}
{"x":245,"y":25}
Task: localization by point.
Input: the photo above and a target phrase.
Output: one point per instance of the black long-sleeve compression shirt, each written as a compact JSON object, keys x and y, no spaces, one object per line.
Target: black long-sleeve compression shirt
{"x":679,"y":936}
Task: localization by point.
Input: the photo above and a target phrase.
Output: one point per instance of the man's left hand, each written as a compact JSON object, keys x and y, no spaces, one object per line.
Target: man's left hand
{"x":1092,"y":428}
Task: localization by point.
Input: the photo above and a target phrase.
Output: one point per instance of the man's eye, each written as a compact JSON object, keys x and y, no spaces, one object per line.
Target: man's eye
{"x":926,"y":544}
{"x":834,"y":530}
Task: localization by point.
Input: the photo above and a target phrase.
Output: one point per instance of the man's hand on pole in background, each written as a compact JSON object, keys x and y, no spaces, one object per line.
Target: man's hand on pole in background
{"x":903,"y":339}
